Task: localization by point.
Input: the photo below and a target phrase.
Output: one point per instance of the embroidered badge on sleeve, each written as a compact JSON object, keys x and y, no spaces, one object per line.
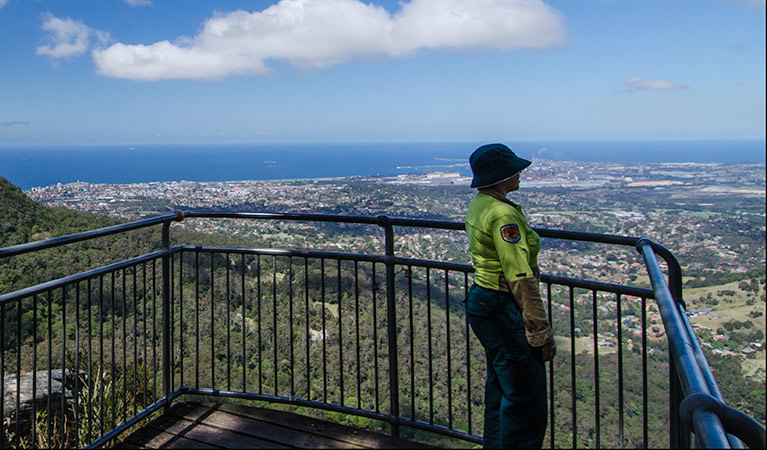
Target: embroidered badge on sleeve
{"x":510,"y":233}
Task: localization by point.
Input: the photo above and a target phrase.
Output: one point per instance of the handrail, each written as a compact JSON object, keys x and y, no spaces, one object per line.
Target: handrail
{"x":707,"y":415}
{"x":673,"y":264}
{"x":87,"y":235}
{"x":49,"y":285}
{"x":674,"y":268}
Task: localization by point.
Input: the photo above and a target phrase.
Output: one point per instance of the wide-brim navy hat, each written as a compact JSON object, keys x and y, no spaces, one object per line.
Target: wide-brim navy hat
{"x":493,"y":163}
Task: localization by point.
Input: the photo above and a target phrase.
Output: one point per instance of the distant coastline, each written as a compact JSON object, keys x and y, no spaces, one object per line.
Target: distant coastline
{"x":29,"y":167}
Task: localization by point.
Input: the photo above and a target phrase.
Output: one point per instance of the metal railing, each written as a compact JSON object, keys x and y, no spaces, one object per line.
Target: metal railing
{"x":375,"y":336}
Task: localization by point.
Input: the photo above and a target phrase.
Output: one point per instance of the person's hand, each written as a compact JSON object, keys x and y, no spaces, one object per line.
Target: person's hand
{"x":549,"y":350}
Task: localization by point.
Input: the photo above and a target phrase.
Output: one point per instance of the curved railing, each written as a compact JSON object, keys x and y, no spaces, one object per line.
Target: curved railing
{"x":287,"y":316}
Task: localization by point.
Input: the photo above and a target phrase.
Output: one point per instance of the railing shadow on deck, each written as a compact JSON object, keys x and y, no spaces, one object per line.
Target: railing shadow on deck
{"x":378,"y":337}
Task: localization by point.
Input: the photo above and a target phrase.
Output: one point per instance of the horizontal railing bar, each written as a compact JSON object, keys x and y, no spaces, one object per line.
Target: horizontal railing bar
{"x":363,"y":220}
{"x":286,"y":400}
{"x":553,"y":279}
{"x":335,"y":408}
{"x":680,"y":345}
{"x":84,"y":236}
{"x":701,"y":359}
{"x":598,"y":286}
{"x":154,"y":407}
{"x":587,"y":237}
{"x":713,"y":387}
{"x":457,"y":267}
{"x":708,"y":427}
{"x":125,"y":425}
{"x":406,"y":222}
{"x":440,"y":429}
{"x":703,"y":406}
{"x":675,"y":274}
{"x":48,"y":285}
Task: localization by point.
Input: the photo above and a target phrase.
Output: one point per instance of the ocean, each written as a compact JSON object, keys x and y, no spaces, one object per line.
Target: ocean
{"x":28,"y":167}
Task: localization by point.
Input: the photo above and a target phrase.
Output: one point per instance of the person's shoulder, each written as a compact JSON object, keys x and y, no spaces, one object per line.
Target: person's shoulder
{"x":496,"y":209}
{"x":489,"y":200}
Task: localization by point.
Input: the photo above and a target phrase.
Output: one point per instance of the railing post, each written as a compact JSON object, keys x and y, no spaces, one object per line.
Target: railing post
{"x":674,"y":271}
{"x":391,"y":325}
{"x":166,"y":357}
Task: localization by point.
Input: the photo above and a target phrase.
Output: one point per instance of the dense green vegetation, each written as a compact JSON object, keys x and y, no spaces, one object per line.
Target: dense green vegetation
{"x":23,"y":220}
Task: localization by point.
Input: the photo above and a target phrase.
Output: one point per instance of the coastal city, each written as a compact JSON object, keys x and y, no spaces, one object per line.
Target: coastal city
{"x":131,"y":201}
{"x":680,"y":206}
{"x":710,"y":215}
{"x":675,"y":204}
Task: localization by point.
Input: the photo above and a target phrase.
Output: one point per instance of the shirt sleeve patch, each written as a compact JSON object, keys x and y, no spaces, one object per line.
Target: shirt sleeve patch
{"x":510,"y":233}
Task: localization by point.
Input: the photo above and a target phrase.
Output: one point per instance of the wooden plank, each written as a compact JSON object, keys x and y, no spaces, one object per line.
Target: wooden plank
{"x":148,"y":437}
{"x":181,"y":442}
{"x":128,"y":445}
{"x":267,"y":431}
{"x":318,"y":427}
{"x":172,"y":425}
{"x":211,"y":435}
{"x":190,"y":411}
{"x":153,"y":438}
{"x":213,"y":425}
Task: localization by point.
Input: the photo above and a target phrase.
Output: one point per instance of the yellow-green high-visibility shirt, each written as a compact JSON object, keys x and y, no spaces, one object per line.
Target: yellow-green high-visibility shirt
{"x":503,"y":246}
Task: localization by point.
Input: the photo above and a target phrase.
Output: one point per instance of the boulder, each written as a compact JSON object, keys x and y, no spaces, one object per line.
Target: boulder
{"x":39,"y":398}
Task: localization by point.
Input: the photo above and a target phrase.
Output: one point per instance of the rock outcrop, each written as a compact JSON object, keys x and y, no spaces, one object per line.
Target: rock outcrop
{"x":43,"y":392}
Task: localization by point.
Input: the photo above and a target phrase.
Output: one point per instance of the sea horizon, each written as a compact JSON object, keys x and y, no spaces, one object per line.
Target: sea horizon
{"x":34,"y":166}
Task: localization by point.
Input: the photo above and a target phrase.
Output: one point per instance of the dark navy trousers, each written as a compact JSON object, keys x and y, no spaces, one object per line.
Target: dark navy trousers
{"x":515,"y":390}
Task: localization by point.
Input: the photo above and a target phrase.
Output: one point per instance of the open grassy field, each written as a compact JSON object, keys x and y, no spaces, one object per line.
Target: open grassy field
{"x":730,"y":308}
{"x":584,"y":344}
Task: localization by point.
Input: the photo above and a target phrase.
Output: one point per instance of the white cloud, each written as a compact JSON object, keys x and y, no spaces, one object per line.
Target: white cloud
{"x":461,"y":24}
{"x":2,"y":3}
{"x":324,"y":33}
{"x":138,"y":2}
{"x":67,"y":37}
{"x":641,"y":84}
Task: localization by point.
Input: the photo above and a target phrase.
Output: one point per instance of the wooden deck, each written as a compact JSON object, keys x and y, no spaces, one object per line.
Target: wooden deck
{"x":215,"y":425}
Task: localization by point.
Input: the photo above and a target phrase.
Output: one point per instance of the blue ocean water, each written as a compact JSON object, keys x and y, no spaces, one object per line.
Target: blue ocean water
{"x":42,"y":166}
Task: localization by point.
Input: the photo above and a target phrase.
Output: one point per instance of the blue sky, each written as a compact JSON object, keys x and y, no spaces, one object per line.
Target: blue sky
{"x":186,"y":71}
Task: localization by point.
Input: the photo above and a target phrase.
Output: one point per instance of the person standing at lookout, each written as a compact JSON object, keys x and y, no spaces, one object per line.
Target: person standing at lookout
{"x":504,"y":306}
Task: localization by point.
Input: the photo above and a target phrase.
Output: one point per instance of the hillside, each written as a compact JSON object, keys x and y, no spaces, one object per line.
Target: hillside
{"x":24,"y":220}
